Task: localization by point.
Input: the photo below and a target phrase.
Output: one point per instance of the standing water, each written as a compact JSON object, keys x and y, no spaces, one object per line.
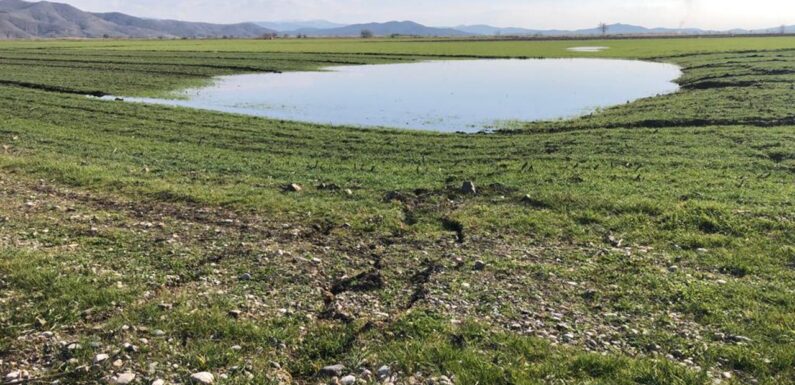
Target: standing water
{"x":465,"y":95}
{"x":587,"y":49}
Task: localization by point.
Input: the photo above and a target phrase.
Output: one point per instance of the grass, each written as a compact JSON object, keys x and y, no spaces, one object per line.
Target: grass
{"x":650,"y":243}
{"x":647,"y":48}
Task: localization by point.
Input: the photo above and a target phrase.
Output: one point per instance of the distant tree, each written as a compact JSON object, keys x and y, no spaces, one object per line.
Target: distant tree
{"x":603,"y":28}
{"x":106,"y":36}
{"x":286,"y":36}
{"x":367,"y":34}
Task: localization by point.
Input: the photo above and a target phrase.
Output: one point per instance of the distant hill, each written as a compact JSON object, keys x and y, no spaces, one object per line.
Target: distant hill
{"x":628,"y":29}
{"x":482,"y":29}
{"x":22,"y":20}
{"x":415,"y":29}
{"x":285,"y":26}
{"x":408,"y":28}
{"x":613,"y":29}
{"x":787,"y":29}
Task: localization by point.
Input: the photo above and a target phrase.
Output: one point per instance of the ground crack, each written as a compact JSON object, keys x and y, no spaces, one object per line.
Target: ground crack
{"x":420,"y":279}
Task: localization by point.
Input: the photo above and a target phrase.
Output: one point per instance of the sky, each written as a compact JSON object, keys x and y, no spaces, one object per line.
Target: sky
{"x":536,"y":14}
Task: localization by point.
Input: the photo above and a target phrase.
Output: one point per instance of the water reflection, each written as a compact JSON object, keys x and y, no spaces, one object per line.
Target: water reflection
{"x":467,"y":95}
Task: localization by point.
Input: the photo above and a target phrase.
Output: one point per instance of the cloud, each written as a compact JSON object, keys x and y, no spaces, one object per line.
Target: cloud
{"x":718,"y":14}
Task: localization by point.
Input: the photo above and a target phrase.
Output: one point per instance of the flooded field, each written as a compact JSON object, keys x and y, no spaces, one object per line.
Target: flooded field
{"x":448,"y":96}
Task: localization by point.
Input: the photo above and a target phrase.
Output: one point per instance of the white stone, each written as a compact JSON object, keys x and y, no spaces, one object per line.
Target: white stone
{"x":202,"y":378}
{"x":332,"y":370}
{"x":124,"y":378}
{"x":13,"y":375}
{"x":383,"y":372}
{"x":101,"y":358}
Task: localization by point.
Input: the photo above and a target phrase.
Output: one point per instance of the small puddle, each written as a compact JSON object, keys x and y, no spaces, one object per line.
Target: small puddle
{"x":587,"y":49}
{"x":447,"y":96}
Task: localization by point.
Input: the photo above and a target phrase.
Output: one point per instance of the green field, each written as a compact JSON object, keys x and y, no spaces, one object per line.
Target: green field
{"x":650,"y":243}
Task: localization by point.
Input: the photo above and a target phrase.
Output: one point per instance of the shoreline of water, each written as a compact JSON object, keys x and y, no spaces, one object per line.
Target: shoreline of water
{"x":446,"y":96}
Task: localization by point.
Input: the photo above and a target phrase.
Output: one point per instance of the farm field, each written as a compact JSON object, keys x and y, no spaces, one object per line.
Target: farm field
{"x":649,"y":243}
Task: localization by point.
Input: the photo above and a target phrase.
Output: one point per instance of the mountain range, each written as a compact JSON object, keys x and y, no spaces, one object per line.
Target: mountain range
{"x":24,"y":20}
{"x":408,"y":28}
{"x":21,"y":19}
{"x":617,"y":29}
{"x":294,"y":25}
